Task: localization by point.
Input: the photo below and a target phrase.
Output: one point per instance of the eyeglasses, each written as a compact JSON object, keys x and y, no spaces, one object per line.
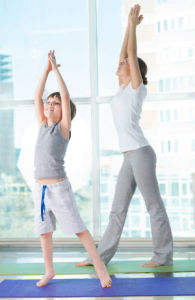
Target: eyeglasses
{"x":54,"y":103}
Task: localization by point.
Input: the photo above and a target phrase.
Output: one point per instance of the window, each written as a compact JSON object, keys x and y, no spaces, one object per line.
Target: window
{"x":93,"y":158}
{"x":193,"y":145}
{"x":104,"y":188}
{"x":162,"y":188}
{"x":161,"y":116}
{"x":158,"y":26}
{"x":184,"y":188}
{"x":165,"y":25}
{"x":175,"y":189}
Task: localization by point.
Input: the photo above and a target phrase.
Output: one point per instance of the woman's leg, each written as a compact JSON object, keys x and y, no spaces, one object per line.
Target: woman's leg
{"x":144,"y":169}
{"x":100,"y":268}
{"x":124,"y":191}
{"x":47,"y":250}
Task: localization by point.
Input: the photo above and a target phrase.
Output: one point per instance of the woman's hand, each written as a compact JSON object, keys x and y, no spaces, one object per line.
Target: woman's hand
{"x":134,"y":15}
{"x":52,"y":65}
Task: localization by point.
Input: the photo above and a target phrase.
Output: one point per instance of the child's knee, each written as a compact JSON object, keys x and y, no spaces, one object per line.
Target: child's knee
{"x":46,"y":235}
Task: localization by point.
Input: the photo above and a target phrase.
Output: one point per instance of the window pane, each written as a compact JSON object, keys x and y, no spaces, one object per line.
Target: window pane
{"x":29,"y":29}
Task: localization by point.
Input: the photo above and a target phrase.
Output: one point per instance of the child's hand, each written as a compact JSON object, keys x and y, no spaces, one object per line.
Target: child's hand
{"x":49,"y":66}
{"x":52,"y":61}
{"x":134,"y":17}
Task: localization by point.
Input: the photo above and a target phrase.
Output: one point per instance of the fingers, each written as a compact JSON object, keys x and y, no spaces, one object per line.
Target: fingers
{"x":140,"y":18}
{"x":135,"y":10}
{"x":51,"y":54}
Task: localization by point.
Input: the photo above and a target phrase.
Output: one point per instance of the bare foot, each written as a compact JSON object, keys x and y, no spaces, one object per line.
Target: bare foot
{"x":103,"y":275}
{"x":151,"y":263}
{"x":46,"y":278}
{"x":83,"y":263}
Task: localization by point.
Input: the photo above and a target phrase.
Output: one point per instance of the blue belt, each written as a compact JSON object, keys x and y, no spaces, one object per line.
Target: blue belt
{"x":42,"y":202}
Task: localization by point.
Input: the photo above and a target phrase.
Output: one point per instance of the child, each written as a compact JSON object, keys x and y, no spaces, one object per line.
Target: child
{"x":53,"y":195}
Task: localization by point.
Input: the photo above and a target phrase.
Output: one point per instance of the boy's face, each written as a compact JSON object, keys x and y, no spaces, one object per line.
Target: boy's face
{"x":52,"y":108}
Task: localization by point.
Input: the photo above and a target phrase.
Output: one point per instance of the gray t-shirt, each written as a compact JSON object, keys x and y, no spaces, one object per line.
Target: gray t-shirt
{"x":49,"y":152}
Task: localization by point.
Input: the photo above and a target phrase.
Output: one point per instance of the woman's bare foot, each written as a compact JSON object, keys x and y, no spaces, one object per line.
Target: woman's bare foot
{"x":103,"y":275}
{"x":83,"y":263}
{"x":46,"y":278}
{"x":151,"y":263}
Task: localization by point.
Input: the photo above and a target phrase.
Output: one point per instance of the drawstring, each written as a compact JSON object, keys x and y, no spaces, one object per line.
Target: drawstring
{"x":42,"y":202}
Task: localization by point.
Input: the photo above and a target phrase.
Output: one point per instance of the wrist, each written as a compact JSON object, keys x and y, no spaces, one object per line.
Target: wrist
{"x":47,"y":71}
{"x":55,"y":69}
{"x":131,"y":24}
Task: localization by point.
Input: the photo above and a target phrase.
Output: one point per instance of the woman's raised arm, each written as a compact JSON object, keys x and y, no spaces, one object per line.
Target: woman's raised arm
{"x":134,"y":19}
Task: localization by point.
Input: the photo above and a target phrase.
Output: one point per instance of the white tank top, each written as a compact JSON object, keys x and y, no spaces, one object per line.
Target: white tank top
{"x":126,"y":108}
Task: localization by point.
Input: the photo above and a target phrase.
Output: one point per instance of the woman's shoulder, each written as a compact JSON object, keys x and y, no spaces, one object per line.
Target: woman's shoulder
{"x":141,"y":90}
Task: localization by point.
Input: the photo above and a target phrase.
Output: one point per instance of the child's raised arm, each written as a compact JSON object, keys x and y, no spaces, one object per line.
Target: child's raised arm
{"x":133,"y":21}
{"x":65,"y":123}
{"x":39,"y":106}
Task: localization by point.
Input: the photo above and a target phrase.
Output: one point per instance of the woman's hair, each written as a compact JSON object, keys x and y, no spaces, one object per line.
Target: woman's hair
{"x":72,"y":105}
{"x":143,"y":69}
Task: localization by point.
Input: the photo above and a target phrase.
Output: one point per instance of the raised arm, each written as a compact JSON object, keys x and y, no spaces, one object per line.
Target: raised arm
{"x":134,"y":19}
{"x":39,"y":106}
{"x":123,"y":53}
{"x":65,"y":123}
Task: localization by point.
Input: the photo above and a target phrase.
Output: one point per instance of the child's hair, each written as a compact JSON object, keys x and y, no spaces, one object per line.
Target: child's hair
{"x":72,"y":105}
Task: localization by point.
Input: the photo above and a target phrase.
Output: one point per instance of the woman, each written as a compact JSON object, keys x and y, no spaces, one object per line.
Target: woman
{"x":139,"y":166}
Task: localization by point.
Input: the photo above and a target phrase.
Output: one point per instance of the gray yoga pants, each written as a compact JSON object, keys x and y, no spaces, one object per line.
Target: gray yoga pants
{"x":138,"y":169}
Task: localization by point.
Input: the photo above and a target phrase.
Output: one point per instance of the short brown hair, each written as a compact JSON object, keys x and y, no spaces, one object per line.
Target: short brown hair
{"x":72,"y":105}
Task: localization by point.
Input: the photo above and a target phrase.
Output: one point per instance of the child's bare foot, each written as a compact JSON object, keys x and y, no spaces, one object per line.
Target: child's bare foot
{"x":151,"y":263}
{"x":46,"y":278}
{"x":103,"y":275}
{"x":83,"y":263}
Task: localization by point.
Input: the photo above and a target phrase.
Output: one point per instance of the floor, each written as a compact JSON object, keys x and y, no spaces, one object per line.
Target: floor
{"x":74,"y":255}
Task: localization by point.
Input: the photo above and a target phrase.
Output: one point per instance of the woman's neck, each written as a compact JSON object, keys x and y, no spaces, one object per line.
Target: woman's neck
{"x":126,"y":80}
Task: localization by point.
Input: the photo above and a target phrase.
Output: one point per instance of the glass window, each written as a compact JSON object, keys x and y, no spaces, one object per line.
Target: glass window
{"x":172,"y":24}
{"x":28,"y":45}
{"x":190,"y":52}
{"x":169,"y":146}
{"x":158,"y":26}
{"x":168,"y":115}
{"x":135,"y":221}
{"x":193,"y":145}
{"x":175,"y":188}
{"x":162,"y":188}
{"x":104,"y":188}
{"x":180,"y":22}
{"x":184,"y":188}
{"x":161,"y":85}
{"x":161,"y":116}
{"x":175,"y":146}
{"x":70,"y":33}
{"x":165,"y":25}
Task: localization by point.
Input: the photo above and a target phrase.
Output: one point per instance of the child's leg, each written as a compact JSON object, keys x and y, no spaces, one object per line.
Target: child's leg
{"x":100,"y":268}
{"x":47,"y":250}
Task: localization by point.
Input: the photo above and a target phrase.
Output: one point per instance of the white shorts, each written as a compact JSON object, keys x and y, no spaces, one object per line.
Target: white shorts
{"x":56,"y":201}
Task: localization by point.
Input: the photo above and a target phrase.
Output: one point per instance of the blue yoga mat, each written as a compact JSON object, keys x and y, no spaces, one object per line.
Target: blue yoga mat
{"x":159,"y":286}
